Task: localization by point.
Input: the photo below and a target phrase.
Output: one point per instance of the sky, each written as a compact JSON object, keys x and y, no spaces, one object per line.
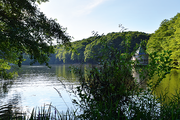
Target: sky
{"x":81,"y":17}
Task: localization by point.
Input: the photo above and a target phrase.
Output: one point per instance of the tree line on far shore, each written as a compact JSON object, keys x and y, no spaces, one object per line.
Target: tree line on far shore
{"x":85,"y":51}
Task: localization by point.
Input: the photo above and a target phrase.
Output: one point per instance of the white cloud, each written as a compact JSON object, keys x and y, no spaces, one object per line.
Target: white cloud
{"x":94,"y":4}
{"x":86,"y":9}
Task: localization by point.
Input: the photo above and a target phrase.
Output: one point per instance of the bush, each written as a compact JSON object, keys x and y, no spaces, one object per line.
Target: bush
{"x":111,"y":92}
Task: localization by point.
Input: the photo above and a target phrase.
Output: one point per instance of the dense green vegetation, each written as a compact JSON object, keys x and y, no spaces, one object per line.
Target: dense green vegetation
{"x":26,"y":30}
{"x":110,"y":91}
{"x":88,"y":49}
{"x":167,"y":37}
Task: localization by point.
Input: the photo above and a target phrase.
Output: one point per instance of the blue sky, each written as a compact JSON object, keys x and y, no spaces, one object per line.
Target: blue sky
{"x":81,"y":17}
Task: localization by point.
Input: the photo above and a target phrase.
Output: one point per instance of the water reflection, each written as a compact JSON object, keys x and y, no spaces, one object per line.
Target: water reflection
{"x":139,"y":78}
{"x":64,"y":72}
{"x":169,"y":85}
{"x":35,"y":87}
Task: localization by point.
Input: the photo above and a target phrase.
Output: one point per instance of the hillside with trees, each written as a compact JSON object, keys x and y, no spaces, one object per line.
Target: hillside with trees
{"x":167,"y":38}
{"x":86,"y":50}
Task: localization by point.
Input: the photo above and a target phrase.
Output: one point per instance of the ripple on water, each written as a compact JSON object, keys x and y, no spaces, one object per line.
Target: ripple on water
{"x":35,"y":87}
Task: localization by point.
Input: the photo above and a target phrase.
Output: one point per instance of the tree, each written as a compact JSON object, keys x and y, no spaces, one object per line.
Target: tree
{"x":76,"y":53}
{"x":115,"y":40}
{"x":167,"y":38}
{"x":24,"y":29}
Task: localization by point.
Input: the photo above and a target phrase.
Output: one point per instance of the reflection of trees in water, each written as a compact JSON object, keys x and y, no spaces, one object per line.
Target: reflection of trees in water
{"x":9,"y":106}
{"x":5,"y":85}
{"x":169,"y":85}
{"x":64,"y":72}
{"x":6,"y":112}
{"x":138,"y":77}
{"x":9,"y":111}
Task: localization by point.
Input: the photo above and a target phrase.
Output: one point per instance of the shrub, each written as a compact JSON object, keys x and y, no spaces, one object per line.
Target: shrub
{"x":111,"y":92}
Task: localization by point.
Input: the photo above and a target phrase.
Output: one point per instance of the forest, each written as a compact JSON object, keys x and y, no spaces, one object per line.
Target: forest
{"x":84,"y":51}
{"x":167,"y":38}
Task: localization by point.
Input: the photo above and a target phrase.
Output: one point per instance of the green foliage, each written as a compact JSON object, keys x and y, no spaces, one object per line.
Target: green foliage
{"x":115,"y":40}
{"x":24,"y":29}
{"x":86,"y":49}
{"x":76,"y":53}
{"x":167,"y":38}
{"x":110,"y":91}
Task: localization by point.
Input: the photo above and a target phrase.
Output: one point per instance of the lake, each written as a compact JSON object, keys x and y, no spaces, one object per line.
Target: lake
{"x":36,"y":86}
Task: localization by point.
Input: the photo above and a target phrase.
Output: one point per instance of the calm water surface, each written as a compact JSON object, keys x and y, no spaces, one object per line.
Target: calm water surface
{"x":169,"y":85}
{"x":36,"y":86}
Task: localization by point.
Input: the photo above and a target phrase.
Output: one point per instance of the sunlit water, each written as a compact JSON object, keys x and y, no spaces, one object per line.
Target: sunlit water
{"x":37,"y":86}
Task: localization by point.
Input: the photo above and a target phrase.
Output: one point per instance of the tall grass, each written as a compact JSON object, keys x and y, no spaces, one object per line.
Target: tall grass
{"x":46,"y":112}
{"x":52,"y":113}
